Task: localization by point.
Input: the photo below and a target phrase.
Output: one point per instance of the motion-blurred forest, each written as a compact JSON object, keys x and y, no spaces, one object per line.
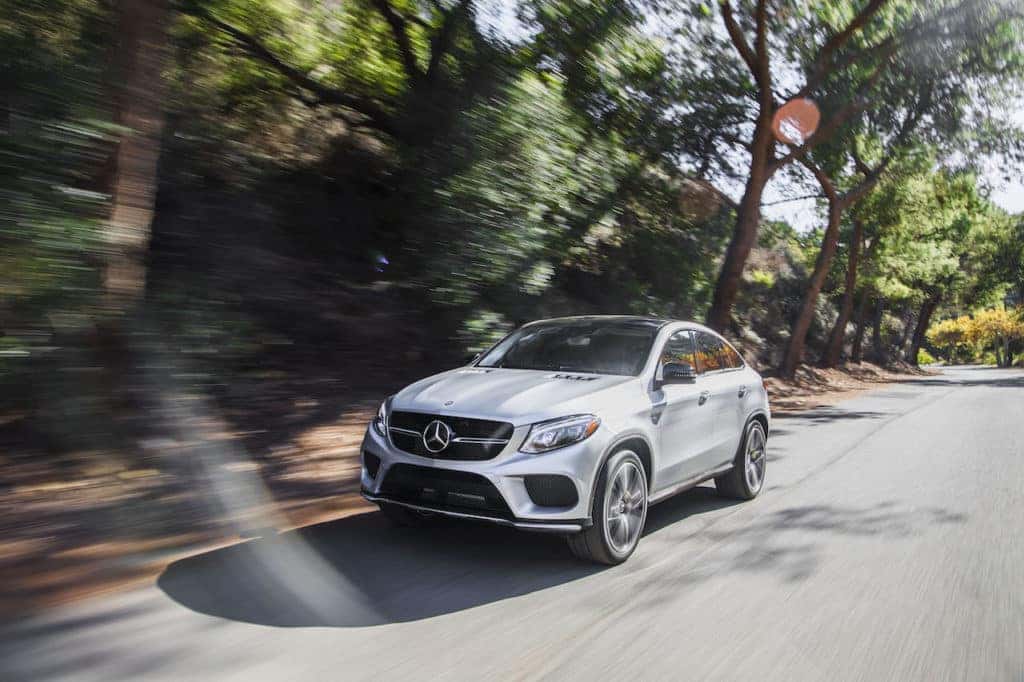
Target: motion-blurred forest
{"x":228,"y":228}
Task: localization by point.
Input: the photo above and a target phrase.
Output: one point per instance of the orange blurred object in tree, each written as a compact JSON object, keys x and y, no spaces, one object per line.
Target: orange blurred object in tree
{"x":795,"y":121}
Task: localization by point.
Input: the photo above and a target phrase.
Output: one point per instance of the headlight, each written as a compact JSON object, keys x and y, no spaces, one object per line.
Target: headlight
{"x":380,"y":422}
{"x":558,"y":433}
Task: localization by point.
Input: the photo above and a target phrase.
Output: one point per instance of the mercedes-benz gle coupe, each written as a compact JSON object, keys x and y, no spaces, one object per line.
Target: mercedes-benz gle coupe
{"x":575,"y":426}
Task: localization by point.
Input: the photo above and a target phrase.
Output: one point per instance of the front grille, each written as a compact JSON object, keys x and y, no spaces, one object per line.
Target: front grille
{"x":406,"y":429}
{"x":456,"y":491}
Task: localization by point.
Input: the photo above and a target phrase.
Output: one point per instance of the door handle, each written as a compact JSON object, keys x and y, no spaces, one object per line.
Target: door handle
{"x":703,"y":397}
{"x":743,"y":391}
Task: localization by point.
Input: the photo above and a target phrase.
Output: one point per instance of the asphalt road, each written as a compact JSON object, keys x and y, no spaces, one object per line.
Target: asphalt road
{"x":888,"y":545}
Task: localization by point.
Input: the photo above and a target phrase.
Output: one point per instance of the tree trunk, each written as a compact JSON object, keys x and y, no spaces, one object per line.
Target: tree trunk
{"x":835,"y":340}
{"x":923,"y":321}
{"x":748,"y":219}
{"x":798,"y":335}
{"x":908,"y":319}
{"x":857,"y":351}
{"x":877,"y":348}
{"x":138,"y":81}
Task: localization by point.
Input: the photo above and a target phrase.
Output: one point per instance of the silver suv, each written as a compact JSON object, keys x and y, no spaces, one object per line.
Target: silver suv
{"x":574,"y":426}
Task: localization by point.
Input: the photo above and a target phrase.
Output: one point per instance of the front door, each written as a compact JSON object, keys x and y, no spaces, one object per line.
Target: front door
{"x":686,"y":422}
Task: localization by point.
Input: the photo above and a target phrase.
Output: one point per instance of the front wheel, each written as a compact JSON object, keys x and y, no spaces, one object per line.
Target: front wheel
{"x":618,"y":513}
{"x":746,"y":478}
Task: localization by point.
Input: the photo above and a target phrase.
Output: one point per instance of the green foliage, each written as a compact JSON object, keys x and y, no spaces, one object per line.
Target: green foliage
{"x":925,"y":358}
{"x":54,"y":141}
{"x":511,"y":205}
{"x":762,"y":278}
{"x":989,"y":332}
{"x":571,"y":167}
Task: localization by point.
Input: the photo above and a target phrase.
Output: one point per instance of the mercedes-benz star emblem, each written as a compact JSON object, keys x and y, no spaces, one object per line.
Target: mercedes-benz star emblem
{"x":436,"y":436}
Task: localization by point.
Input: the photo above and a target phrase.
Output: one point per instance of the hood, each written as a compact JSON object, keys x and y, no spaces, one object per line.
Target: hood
{"x":519,"y":396}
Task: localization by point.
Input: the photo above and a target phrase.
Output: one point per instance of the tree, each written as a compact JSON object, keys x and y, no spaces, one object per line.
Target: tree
{"x":138,"y":86}
{"x":834,"y":348}
{"x":890,"y":133}
{"x":862,"y":47}
{"x":997,"y":329}
{"x":951,"y":335}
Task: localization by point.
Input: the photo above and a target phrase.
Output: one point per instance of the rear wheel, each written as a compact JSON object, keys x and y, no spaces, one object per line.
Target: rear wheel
{"x":617,"y":514}
{"x":746,"y":478}
{"x":405,"y":517}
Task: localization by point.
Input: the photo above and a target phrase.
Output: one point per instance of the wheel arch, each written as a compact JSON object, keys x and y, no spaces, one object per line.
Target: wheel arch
{"x":634,"y":442}
{"x":758,"y":416}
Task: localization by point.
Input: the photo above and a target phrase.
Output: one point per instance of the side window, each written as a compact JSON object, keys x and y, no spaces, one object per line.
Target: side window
{"x":731,"y":357}
{"x":679,"y":348}
{"x":710,"y":353}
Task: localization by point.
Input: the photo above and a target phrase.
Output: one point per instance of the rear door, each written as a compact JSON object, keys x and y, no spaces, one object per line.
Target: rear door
{"x":741,"y":389}
{"x":721,"y":376}
{"x":686,"y":422}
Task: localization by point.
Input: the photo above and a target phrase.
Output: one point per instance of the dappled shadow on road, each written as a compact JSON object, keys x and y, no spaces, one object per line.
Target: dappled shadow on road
{"x":788,"y":545}
{"x":790,"y":541}
{"x":692,"y":503}
{"x":829,"y":414}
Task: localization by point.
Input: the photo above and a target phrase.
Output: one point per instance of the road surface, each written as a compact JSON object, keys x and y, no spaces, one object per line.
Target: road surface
{"x":888,"y":545}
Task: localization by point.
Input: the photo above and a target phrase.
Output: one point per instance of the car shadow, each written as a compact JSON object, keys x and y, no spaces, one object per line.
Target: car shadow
{"x":361,"y":571}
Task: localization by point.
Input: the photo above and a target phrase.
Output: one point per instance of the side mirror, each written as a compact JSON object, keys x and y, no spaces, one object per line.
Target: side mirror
{"x":678,"y":373}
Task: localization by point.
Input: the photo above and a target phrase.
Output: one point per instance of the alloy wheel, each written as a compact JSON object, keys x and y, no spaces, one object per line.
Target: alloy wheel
{"x":754,"y":461}
{"x":625,"y":507}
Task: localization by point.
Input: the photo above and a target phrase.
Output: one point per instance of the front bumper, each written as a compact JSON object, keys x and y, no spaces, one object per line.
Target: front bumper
{"x":507,"y":472}
{"x":536,"y":526}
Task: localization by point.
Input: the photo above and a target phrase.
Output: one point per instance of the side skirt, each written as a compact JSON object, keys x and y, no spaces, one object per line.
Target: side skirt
{"x":693,"y":482}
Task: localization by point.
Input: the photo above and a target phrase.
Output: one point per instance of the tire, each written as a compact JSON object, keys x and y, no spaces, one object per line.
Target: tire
{"x":618,"y":513}
{"x":746,"y":478}
{"x":405,"y":517}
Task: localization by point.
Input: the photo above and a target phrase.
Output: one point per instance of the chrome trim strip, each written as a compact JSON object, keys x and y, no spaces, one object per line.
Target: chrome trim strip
{"x":521,"y":525}
{"x":408,"y":432}
{"x":665,"y":493}
{"x":480,"y":441}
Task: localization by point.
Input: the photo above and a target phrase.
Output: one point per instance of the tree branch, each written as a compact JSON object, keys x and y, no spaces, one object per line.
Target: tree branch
{"x":824,"y":132}
{"x":763,"y":74}
{"x":804,"y":197}
{"x":441,"y":41}
{"x":401,"y":36}
{"x":324,"y":94}
{"x":738,"y":39}
{"x":872,"y":176}
{"x":858,"y":162}
{"x":826,"y":183}
{"x":834,"y":43}
{"x":922,"y":30}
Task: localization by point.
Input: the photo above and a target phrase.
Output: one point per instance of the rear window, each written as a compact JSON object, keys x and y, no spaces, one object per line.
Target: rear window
{"x":714,"y":354}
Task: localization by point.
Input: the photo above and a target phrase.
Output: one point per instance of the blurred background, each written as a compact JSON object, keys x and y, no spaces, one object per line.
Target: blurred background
{"x":228,"y":229}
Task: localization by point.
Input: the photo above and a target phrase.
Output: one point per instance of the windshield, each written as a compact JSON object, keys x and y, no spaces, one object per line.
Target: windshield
{"x":605,"y":347}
